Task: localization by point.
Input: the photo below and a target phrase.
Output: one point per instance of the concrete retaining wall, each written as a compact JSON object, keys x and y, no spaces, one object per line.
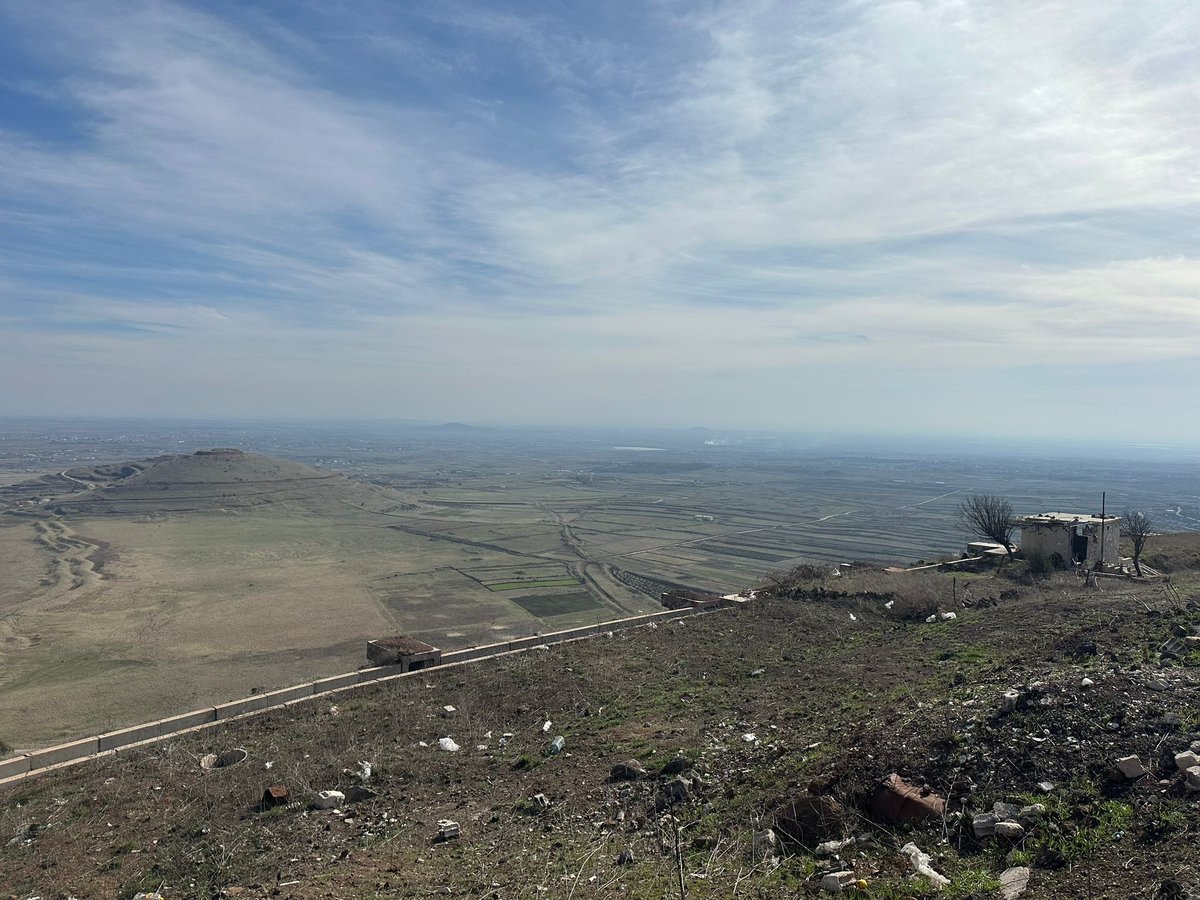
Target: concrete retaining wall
{"x":18,"y":767}
{"x":50,"y":756}
{"x":15,"y":765}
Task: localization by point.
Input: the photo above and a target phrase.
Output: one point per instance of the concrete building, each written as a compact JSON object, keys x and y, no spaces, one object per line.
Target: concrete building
{"x":406,"y":652}
{"x":1070,"y":539}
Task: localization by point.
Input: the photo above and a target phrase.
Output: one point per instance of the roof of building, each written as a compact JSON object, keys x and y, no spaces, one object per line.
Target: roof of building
{"x":1062,"y":518}
{"x":404,"y":644}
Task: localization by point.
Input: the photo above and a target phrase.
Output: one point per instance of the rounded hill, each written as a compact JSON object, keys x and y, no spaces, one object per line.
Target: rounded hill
{"x":220,"y":478}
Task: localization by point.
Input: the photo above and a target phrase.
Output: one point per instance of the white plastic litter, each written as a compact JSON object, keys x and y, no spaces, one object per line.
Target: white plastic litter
{"x":546,"y":727}
{"x":920,"y":862}
{"x":448,"y":744}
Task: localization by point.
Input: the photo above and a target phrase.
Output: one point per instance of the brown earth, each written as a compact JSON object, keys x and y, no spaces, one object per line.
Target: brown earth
{"x":839,"y":692}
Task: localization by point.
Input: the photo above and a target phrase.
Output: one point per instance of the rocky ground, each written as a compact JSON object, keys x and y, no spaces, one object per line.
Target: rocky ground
{"x":746,"y":753}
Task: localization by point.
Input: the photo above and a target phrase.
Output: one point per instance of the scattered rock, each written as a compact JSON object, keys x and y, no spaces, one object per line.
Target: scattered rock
{"x":899,"y":802}
{"x":677,"y":790}
{"x":358,"y":794}
{"x":1159,"y":685}
{"x":1193,"y":778}
{"x":750,"y":737}
{"x":1186,"y":760}
{"x":984,"y":825}
{"x":1131,"y":767}
{"x":630,"y":770}
{"x":676,"y":766}
{"x":1013,"y":882}
{"x":1087,"y":683}
{"x":1010,"y":700}
{"x":1011,"y":830}
{"x":1045,"y":786}
{"x":329,"y":800}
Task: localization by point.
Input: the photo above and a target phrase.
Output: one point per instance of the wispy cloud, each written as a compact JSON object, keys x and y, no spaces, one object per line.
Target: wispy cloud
{"x":432,"y":209}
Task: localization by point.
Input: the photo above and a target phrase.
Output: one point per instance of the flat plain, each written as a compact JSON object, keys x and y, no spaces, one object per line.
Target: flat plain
{"x":201,"y":579}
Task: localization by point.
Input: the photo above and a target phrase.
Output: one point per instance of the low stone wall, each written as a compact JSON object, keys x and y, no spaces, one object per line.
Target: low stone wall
{"x":18,"y":768}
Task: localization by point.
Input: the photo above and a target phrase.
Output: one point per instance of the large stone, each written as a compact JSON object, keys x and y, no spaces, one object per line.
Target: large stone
{"x":1011,"y":830}
{"x":901,"y":803}
{"x":764,"y":844}
{"x":984,"y":825}
{"x":1131,"y":767}
{"x":1186,"y":760}
{"x":1193,"y":778}
{"x":630,"y":770}
{"x":1013,"y":882}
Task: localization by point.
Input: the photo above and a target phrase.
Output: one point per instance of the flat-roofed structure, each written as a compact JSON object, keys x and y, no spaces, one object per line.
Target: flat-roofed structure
{"x":406,"y":652}
{"x":1072,"y":539}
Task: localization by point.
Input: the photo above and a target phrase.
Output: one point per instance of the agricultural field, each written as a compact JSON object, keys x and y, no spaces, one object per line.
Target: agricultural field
{"x":131,"y":588}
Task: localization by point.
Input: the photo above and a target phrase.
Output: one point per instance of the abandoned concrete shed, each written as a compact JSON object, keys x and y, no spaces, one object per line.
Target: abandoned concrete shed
{"x":406,"y":652}
{"x":1072,"y":539}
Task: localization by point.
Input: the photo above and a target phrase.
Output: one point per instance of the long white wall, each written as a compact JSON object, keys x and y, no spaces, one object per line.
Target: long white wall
{"x":19,"y":768}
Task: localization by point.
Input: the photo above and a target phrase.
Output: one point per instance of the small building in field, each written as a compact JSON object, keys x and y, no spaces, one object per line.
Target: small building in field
{"x":1070,"y":539}
{"x":406,"y":652}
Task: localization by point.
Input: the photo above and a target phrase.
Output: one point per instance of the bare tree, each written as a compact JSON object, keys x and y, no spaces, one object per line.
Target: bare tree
{"x":989,"y":516}
{"x":1138,"y":527}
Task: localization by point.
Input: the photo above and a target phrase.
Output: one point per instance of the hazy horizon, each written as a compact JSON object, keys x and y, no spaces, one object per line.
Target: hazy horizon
{"x":955,"y":219}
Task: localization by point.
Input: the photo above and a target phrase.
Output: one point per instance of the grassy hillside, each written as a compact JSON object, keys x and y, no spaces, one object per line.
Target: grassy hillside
{"x":838,"y":689}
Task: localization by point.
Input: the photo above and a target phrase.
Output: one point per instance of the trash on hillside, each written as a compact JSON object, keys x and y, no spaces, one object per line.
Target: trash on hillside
{"x":329,"y":800}
{"x":832,"y":848}
{"x":222,"y":760}
{"x":899,"y":802}
{"x":836,"y":882}
{"x":448,"y":829}
{"x":557,"y":745}
{"x":541,"y":801}
{"x":921,"y":863}
{"x":546,"y":726}
{"x":364,"y":770}
{"x":448,"y":745}
{"x":275,"y":795}
{"x":625,"y":858}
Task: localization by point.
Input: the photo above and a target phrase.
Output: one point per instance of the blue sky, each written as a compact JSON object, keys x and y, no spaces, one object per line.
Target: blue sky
{"x":909,"y":217}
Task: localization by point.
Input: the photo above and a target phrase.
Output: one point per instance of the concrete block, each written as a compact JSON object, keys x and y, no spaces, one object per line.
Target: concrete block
{"x":184,"y":721}
{"x":61,"y":753}
{"x":13,"y":765}
{"x":288,"y":694}
{"x":114,"y":739}
{"x":526,"y":643}
{"x":336,"y":682}
{"x":366,"y":676}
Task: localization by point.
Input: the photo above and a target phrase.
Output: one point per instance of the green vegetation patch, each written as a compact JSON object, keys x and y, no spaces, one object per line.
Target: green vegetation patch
{"x":545,"y":605}
{"x":539,"y":582}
